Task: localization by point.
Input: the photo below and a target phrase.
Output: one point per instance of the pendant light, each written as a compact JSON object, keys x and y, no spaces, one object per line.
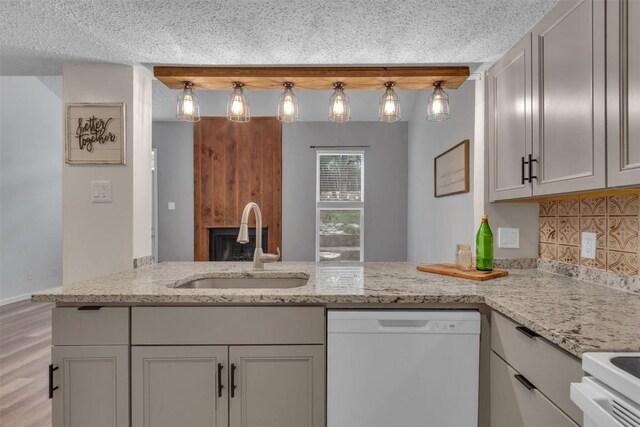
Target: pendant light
{"x":389,"y":108}
{"x":238,"y":105}
{"x":438,"y":104}
{"x":339,"y":109}
{"x":187,"y":108}
{"x":288,"y":104}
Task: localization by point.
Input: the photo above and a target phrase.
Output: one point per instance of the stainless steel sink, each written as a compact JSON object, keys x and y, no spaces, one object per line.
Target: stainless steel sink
{"x":245,"y":283}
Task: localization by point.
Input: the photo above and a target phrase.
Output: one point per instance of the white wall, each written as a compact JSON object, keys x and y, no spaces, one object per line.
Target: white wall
{"x":436,"y":225}
{"x":103,"y":238}
{"x":30,"y":185}
{"x":142,"y":177}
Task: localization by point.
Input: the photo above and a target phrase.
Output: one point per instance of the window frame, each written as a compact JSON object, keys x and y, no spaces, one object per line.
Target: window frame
{"x":335,"y":205}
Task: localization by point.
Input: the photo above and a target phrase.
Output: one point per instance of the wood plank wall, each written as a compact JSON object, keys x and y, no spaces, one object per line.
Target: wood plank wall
{"x":236,"y":163}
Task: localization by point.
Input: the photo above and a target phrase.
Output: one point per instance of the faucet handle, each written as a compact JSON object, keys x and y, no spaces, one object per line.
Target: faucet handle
{"x":271,"y":257}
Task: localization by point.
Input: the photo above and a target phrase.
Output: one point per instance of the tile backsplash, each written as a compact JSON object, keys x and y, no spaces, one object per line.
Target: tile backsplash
{"x":615,"y":221}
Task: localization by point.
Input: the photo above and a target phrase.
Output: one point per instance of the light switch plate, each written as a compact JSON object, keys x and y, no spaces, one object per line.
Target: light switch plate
{"x":171,"y":206}
{"x":509,"y":238}
{"x":100,"y":191}
{"x":589,"y":245}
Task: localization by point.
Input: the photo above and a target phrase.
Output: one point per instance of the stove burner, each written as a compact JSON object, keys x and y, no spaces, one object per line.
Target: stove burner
{"x":631,"y":365}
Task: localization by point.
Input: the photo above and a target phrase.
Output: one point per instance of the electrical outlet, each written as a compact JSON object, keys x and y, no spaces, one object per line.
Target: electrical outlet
{"x":101,"y":191}
{"x":509,"y":238}
{"x":589,"y":245}
{"x":54,"y":272}
{"x":29,"y":275}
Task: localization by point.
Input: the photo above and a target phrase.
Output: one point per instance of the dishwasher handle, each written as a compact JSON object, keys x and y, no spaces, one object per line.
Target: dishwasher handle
{"x":403,"y":323}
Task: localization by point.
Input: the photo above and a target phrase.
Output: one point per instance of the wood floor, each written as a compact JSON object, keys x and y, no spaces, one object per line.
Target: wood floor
{"x":25,"y":353}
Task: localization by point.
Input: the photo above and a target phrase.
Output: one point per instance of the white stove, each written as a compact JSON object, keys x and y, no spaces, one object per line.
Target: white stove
{"x":610,"y":396}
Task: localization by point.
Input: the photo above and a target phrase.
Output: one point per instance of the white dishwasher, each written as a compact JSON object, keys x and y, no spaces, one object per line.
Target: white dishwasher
{"x":402,"y":368}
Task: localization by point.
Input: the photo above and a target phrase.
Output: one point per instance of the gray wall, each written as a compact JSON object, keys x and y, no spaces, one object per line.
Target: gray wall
{"x":436,"y":225}
{"x":385,"y":172}
{"x":30,"y":185}
{"x":174,"y":142}
{"x":385,"y":216}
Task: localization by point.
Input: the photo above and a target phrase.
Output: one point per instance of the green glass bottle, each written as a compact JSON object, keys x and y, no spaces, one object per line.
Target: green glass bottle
{"x":484,"y":246}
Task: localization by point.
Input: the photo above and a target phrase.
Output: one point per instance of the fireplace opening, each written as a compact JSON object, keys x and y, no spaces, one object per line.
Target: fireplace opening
{"x":223,"y":245}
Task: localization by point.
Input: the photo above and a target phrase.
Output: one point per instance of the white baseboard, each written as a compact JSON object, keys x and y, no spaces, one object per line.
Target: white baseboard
{"x":17,"y":298}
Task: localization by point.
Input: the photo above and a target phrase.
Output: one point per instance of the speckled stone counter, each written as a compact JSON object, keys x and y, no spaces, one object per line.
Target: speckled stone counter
{"x":578,"y":316}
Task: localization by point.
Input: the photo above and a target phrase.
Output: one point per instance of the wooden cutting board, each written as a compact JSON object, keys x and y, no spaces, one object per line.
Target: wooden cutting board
{"x":452,"y":270}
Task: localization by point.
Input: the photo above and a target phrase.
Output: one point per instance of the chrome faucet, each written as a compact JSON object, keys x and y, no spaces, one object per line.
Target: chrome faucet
{"x":259,"y":258}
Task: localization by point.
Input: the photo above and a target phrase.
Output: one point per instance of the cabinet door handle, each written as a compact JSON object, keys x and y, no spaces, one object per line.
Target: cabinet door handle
{"x":232,"y":386}
{"x":528,"y":332}
{"x":522,"y":178}
{"x":89,"y":307}
{"x":220,"y":386}
{"x":51,"y":387}
{"x":530,"y":163}
{"x":525,"y":382}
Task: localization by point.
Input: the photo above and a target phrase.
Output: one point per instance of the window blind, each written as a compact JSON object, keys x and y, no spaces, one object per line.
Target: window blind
{"x":340,"y":177}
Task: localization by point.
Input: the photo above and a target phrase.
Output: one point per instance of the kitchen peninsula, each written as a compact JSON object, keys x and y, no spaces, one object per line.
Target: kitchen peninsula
{"x":578,"y":316}
{"x":245,"y":354}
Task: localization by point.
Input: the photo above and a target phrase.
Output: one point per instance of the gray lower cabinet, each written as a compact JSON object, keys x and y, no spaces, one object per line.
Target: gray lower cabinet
{"x":517,"y":404}
{"x":91,"y":386}
{"x":530,"y":379}
{"x":206,"y":386}
{"x":277,"y":386}
{"x":623,"y":97}
{"x":179,"y":386}
{"x":248,"y":366}
{"x":509,"y":85}
{"x":568,"y":74}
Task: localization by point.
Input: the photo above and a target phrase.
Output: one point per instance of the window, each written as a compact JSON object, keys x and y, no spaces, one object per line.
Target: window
{"x":339,"y":206}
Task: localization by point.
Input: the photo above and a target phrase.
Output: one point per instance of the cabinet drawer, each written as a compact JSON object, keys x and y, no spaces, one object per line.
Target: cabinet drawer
{"x":514,"y":405}
{"x":549,"y":368}
{"x":103,"y":326}
{"x":227,"y":325}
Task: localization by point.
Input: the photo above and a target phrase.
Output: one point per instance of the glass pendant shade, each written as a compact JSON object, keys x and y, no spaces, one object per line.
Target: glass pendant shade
{"x":389,"y":107}
{"x":238,"y":105}
{"x":288,"y":104}
{"x":339,"y":109}
{"x":187,"y":108}
{"x":438,"y":104}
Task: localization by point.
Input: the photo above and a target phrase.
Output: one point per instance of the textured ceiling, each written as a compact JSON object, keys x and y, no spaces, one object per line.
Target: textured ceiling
{"x":37,"y":37}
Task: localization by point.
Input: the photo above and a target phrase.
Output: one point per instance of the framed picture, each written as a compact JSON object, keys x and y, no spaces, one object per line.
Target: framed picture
{"x":451,"y":171}
{"x":96,"y":134}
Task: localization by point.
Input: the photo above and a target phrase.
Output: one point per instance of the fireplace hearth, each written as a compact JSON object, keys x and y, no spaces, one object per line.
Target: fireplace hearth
{"x":224,"y":247}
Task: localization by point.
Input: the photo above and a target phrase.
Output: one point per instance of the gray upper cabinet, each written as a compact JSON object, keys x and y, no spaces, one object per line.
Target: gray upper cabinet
{"x":279,"y":386}
{"x":568,"y":60}
{"x":623,"y":97}
{"x":509,"y":85}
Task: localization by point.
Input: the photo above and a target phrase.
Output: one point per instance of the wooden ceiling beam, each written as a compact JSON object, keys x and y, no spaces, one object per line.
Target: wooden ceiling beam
{"x":311,"y":78}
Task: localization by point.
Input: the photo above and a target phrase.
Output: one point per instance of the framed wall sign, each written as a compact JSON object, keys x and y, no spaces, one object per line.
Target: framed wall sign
{"x":95,"y":133}
{"x":451,"y":171}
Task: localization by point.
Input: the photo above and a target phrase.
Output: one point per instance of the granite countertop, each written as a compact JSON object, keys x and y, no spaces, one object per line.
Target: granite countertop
{"x":578,"y":316}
